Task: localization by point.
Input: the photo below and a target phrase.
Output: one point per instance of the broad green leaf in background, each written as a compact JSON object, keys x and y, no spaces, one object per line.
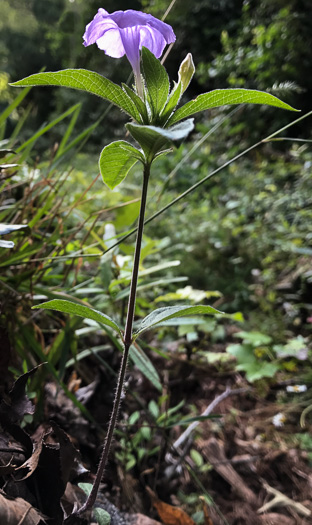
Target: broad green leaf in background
{"x":224,"y":97}
{"x":163,"y":314}
{"x":152,"y":139}
{"x":157,"y":81}
{"x":101,"y":515}
{"x":297,"y":347}
{"x":86,"y":81}
{"x":78,"y":309}
{"x":116,"y":160}
{"x":247,"y":362}
{"x":254,"y":338}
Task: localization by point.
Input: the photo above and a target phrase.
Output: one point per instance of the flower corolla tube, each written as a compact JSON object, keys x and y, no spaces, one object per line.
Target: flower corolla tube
{"x":125,"y":32}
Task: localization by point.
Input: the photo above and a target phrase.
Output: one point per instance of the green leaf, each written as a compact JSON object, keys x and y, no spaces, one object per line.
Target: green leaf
{"x":152,"y":138}
{"x":116,"y":160}
{"x":68,"y":307}
{"x":254,"y":338}
{"x":86,"y":81}
{"x":68,"y":131}
{"x":157,"y":81}
{"x":16,"y":102}
{"x":189,"y":420}
{"x":28,"y":145}
{"x":164,"y":314}
{"x":145,"y":365}
{"x":247,"y":362}
{"x":101,"y":515}
{"x":223,"y":97}
{"x":173,"y":101}
{"x":297,"y":347}
{"x":137,"y":101}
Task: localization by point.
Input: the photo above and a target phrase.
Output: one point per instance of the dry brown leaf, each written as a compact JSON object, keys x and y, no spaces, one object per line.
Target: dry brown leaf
{"x":31,"y":463}
{"x":168,"y":514}
{"x":18,"y":512}
{"x":17,"y":404}
{"x":207,"y":518}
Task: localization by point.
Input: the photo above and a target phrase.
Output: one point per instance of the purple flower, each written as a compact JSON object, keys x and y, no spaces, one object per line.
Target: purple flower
{"x":125,"y":32}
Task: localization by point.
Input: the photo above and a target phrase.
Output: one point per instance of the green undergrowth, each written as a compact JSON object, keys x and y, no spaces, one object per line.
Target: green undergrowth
{"x":241,"y":243}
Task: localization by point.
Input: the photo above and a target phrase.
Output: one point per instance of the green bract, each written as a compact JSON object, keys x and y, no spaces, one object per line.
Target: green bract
{"x":154,"y":139}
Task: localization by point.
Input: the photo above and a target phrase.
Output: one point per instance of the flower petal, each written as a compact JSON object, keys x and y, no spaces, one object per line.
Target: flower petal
{"x":125,"y":32}
{"x":153,"y":40}
{"x":111,"y":43}
{"x":130,"y":37}
{"x":163,"y":28}
{"x":95,"y":28}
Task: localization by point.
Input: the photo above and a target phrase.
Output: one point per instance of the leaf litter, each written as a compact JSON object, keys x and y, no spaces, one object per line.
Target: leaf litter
{"x":40,"y":472}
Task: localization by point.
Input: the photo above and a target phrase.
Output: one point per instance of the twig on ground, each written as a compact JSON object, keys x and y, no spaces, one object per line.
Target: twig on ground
{"x":228,"y":392}
{"x":280,"y":500}
{"x":176,"y":446}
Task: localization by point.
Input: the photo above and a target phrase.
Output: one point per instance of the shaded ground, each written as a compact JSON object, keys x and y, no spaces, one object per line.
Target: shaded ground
{"x":244,"y":467}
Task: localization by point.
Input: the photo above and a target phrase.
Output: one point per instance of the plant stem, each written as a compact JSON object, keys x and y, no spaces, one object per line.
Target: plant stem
{"x":136,"y":262}
{"x":127,"y":343}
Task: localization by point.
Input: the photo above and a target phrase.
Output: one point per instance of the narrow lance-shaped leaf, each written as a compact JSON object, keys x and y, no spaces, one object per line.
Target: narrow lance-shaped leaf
{"x":223,"y":97}
{"x":137,"y":101}
{"x":140,"y":360}
{"x":157,"y":81}
{"x":164,"y":314}
{"x":16,"y":102}
{"x":172,"y":103}
{"x":86,"y":81}
{"x":144,"y":364}
{"x":116,"y":160}
{"x":67,"y":307}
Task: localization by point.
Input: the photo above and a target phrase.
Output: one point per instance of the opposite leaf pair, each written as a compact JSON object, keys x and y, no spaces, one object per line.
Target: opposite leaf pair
{"x":155,"y":116}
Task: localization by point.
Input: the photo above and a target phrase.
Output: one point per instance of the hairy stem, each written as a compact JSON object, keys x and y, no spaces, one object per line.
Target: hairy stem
{"x":127,"y":343}
{"x":136,"y":262}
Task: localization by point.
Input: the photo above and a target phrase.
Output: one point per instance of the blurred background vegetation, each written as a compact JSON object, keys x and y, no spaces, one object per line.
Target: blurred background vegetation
{"x":261,"y":45}
{"x":242,"y":241}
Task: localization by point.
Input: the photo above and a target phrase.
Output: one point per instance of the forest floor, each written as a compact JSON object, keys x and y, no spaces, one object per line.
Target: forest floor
{"x":236,"y":468}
